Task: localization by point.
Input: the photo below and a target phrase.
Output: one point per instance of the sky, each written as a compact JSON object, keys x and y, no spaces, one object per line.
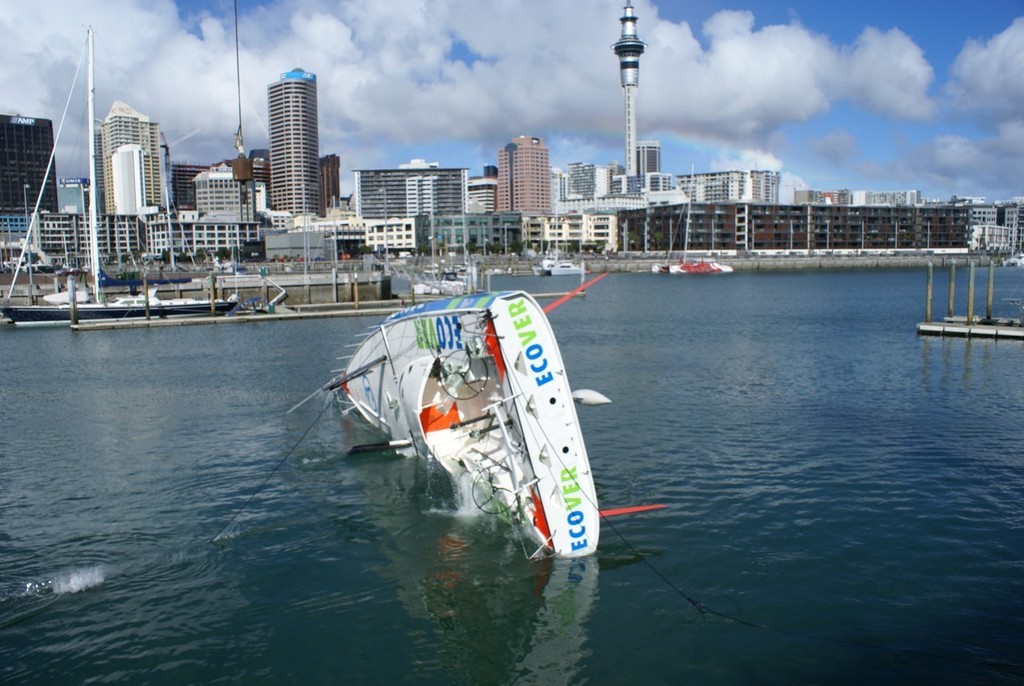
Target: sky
{"x":873,"y":95}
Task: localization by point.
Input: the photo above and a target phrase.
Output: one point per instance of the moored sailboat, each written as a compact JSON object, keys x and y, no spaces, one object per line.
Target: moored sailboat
{"x":70,"y":309}
{"x":702,"y":266}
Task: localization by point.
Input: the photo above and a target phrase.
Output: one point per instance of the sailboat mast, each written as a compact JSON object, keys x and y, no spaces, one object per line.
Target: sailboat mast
{"x":94,"y":240}
{"x":686,"y":238}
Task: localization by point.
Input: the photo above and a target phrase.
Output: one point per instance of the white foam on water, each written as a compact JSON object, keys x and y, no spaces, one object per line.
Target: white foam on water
{"x":78,"y":580}
{"x":465,"y":505}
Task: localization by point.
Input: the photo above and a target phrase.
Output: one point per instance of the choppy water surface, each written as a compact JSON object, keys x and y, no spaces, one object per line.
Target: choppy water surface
{"x":845,"y":503}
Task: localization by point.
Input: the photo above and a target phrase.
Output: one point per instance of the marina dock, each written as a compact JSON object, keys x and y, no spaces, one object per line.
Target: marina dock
{"x":377,"y":309}
{"x":970,"y":325}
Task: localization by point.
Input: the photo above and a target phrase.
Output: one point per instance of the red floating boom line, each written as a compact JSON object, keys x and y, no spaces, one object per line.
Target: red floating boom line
{"x":630,"y":510}
{"x":574,"y":292}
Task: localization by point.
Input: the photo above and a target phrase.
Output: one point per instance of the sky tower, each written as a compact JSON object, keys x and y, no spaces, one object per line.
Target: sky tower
{"x":629,"y":48}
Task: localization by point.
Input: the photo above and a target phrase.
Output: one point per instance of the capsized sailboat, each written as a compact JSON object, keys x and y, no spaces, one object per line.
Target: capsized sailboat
{"x":477,"y":384}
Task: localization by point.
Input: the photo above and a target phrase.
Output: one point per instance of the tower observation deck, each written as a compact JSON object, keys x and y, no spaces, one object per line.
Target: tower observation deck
{"x":629,"y":48}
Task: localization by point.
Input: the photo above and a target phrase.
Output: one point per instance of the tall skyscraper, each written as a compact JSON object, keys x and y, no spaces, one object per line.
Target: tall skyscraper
{"x":524,"y":177}
{"x":648,"y":157}
{"x":125,"y":126}
{"x":330,"y":182}
{"x":294,"y":143}
{"x":629,"y":48}
{"x":25,"y":147}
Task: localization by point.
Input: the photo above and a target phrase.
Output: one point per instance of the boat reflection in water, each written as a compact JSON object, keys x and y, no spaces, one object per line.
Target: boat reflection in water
{"x":498,"y":617}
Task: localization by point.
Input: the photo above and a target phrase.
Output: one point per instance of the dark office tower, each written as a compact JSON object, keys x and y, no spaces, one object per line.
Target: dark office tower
{"x":330,"y":182}
{"x":183,"y":187}
{"x":25,"y":147}
{"x":629,"y":48}
{"x":648,"y":157}
{"x":294,"y":143}
{"x":261,"y":166}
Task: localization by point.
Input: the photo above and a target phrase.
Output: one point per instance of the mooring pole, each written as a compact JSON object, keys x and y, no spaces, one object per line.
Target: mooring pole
{"x":970,"y":294}
{"x":991,"y":286}
{"x":72,"y":300}
{"x":213,"y":293}
{"x":928,"y":295}
{"x":952,"y":286}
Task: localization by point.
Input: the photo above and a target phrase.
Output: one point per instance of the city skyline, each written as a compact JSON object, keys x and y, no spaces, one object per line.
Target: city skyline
{"x":877,"y":96}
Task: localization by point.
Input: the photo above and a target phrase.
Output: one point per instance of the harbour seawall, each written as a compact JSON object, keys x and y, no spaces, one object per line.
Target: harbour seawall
{"x":323,"y":284}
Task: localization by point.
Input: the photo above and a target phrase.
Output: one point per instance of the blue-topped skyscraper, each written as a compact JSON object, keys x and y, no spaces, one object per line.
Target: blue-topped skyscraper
{"x":629,"y":48}
{"x":294,"y":143}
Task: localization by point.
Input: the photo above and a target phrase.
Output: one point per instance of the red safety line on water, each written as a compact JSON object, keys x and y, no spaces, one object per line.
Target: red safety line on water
{"x":572,"y":293}
{"x":630,"y":510}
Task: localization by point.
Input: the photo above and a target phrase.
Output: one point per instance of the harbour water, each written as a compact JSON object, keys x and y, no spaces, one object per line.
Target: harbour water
{"x":845,"y":503}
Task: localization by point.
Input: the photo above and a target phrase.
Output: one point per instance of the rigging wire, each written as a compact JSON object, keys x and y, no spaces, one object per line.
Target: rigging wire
{"x":272,"y":472}
{"x":1012,"y":667}
{"x":705,"y":611}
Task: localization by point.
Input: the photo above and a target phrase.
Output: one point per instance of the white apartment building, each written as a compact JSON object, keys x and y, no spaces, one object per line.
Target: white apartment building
{"x":218,"y":192}
{"x":128,"y":180}
{"x":750,"y":185}
{"x":124,"y":126}
{"x":570,"y":232}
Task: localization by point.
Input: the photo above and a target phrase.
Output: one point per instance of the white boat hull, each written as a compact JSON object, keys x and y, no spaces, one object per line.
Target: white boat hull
{"x":477,"y":383}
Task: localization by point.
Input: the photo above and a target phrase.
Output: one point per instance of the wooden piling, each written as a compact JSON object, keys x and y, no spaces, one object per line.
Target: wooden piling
{"x":72,"y":299}
{"x":991,"y":287}
{"x":213,"y":293}
{"x":928,"y":294}
{"x":952,"y":287}
{"x":970,"y":293}
{"x":145,"y":293}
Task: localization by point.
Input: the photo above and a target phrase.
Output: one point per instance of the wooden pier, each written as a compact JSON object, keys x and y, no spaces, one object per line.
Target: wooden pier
{"x":970,"y":325}
{"x":378,"y":309}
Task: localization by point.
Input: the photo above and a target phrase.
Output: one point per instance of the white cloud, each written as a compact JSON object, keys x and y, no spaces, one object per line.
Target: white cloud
{"x":888,"y":74}
{"x":747,"y":159}
{"x":468,"y":75}
{"x":988,"y":77}
{"x":747,"y":82}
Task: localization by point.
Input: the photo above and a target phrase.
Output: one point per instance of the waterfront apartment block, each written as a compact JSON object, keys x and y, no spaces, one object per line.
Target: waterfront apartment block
{"x":745,"y":228}
{"x":584,"y":231}
{"x":294,"y":143}
{"x":729,"y":228}
{"x":524,"y":176}
{"x":416,"y":188}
